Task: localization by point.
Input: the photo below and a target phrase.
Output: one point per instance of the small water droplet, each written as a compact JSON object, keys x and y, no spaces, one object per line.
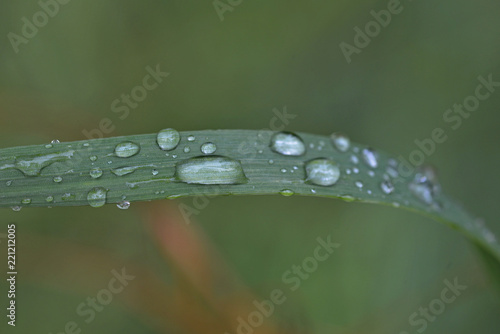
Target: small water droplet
{"x":67,"y":197}
{"x":16,"y":208}
{"x":287,"y":192}
{"x":93,"y":158}
{"x":210,"y":170}
{"x":208,"y":148}
{"x":396,"y":204}
{"x":126,"y":149}
{"x":168,"y":139}
{"x":286,"y":143}
{"x":355,"y":170}
{"x":174,"y":156}
{"x":55,"y":141}
{"x":354,"y":159}
{"x":425,"y":186}
{"x":95,"y":173}
{"x":371,"y":173}
{"x":97,"y":197}
{"x":49,"y":199}
{"x":86,"y":144}
{"x":48,"y":146}
{"x":187,"y":149}
{"x":313,"y":191}
{"x":322,"y":172}
{"x":57,"y":179}
{"x":283,"y":170}
{"x":124,"y":205}
{"x":26,"y":201}
{"x":359,"y":184}
{"x":191,"y":138}
{"x":124,"y":170}
{"x":154,"y":172}
{"x":348,"y":171}
{"x":8,"y":183}
{"x":341,"y":142}
{"x":392,"y":172}
{"x":370,"y":157}
{"x":369,"y":192}
{"x":271,"y":161}
{"x":387,"y":187}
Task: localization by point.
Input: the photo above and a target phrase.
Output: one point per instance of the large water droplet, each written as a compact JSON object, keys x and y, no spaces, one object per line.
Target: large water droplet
{"x":95,"y":173}
{"x":210,"y":170}
{"x":322,"y":172}
{"x":168,"y":139}
{"x":126,"y":149}
{"x":370,"y":157}
{"x":341,"y":142}
{"x":287,"y":144}
{"x":208,"y":148}
{"x":33,"y":165}
{"x":97,"y":197}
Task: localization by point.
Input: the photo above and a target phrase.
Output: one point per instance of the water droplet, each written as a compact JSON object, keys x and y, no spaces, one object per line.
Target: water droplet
{"x":86,"y":144}
{"x":174,"y":156}
{"x":154,"y":172}
{"x":392,"y":172}
{"x":287,"y":192}
{"x":370,"y":157}
{"x":208,"y":148}
{"x":341,"y":142}
{"x":396,"y":204}
{"x":95,"y":173}
{"x":369,"y":192}
{"x":283,"y":170}
{"x":187,"y":149}
{"x":124,"y":205}
{"x":387,"y":187}
{"x":359,"y":184}
{"x":425,"y":186}
{"x":354,"y":159}
{"x":93,"y":158}
{"x":124,"y":170}
{"x":48,"y":146}
{"x":16,"y":208}
{"x":33,"y":165}
{"x":26,"y":201}
{"x":126,"y":149}
{"x":355,"y":170}
{"x":67,"y":197}
{"x":210,"y":170}
{"x":271,"y":161}
{"x":191,"y":138}
{"x":287,"y":144}
{"x":97,"y":197}
{"x":8,"y":183}
{"x":55,"y":141}
{"x":168,"y":139}
{"x":313,"y":191}
{"x":322,"y":172}
{"x":57,"y":179}
{"x":348,"y":171}
{"x":49,"y":199}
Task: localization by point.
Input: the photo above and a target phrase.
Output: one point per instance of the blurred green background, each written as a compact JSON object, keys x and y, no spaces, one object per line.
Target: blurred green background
{"x":230,"y":74}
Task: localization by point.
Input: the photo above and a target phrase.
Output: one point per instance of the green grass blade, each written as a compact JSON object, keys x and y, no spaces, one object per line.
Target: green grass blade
{"x":135,"y":168}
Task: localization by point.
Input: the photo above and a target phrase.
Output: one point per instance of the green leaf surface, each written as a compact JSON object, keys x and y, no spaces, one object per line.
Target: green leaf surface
{"x":224,"y":162}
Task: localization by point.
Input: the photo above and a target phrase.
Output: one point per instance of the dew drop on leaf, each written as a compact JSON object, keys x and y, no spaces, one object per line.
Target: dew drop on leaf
{"x":168,"y":139}
{"x":322,"y":172}
{"x":286,"y":143}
